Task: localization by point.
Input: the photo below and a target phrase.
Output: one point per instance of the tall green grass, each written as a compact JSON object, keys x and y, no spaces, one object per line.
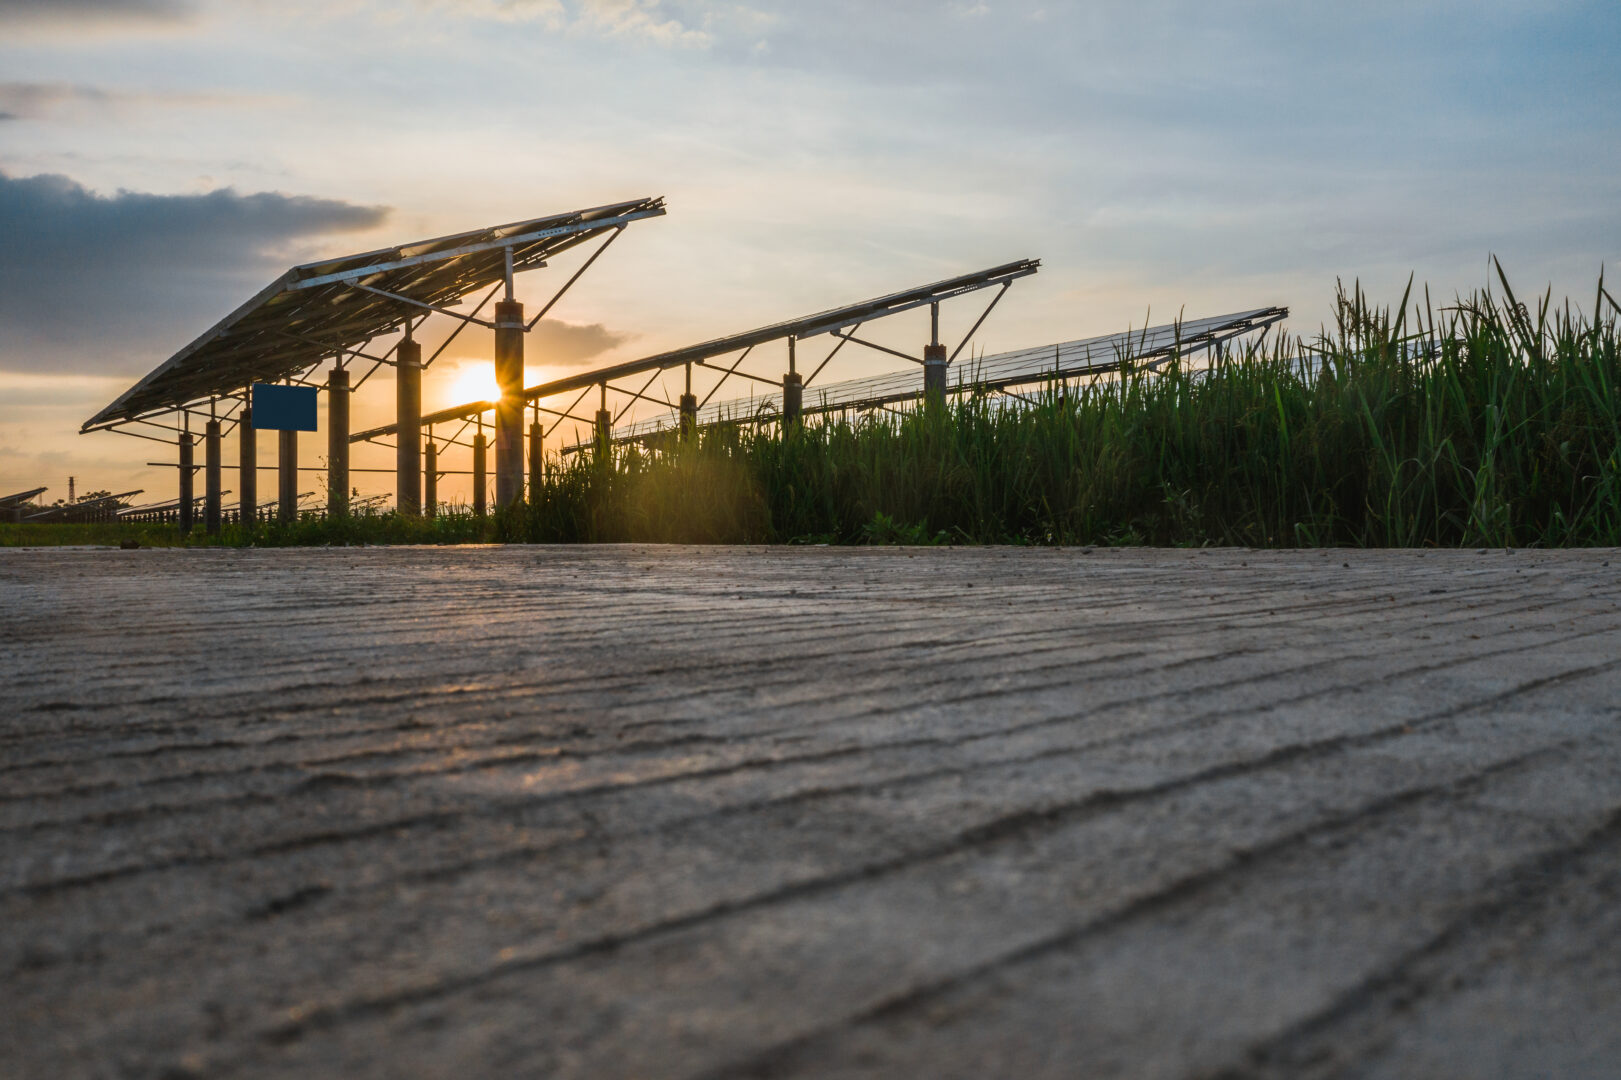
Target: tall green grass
{"x":1485,"y":422}
{"x":1482,"y":422}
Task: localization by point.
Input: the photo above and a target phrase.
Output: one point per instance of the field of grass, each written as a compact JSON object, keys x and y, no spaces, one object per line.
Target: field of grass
{"x":1484,"y":422}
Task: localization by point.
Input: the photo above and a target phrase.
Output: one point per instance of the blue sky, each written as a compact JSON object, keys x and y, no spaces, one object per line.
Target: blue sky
{"x":162,"y":159}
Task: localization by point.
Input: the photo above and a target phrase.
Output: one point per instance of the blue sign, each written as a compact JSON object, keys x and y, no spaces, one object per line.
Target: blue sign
{"x":283,"y":408}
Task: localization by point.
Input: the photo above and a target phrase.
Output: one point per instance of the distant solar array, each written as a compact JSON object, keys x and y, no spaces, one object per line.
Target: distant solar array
{"x":1001,"y":372}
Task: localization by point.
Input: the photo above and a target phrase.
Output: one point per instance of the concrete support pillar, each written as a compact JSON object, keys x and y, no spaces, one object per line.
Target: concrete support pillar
{"x":537,"y":459}
{"x":604,"y":432}
{"x":408,"y":439}
{"x":211,"y":478}
{"x":185,"y":507}
{"x":337,"y":443}
{"x":934,"y":374}
{"x":287,"y":476}
{"x":247,"y":459}
{"x":430,"y":480}
{"x":479,"y":481}
{"x":509,"y":410}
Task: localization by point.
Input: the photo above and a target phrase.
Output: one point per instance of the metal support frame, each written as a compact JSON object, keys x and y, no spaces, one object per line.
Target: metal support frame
{"x":793,"y":392}
{"x":480,"y":480}
{"x":541,"y":314}
{"x":337,"y":442}
{"x":636,"y":396}
{"x":873,"y":345}
{"x":841,"y":322}
{"x":287,"y":477}
{"x":603,"y":429}
{"x":430,"y":479}
{"x":972,"y":330}
{"x":247,"y":458}
{"x":509,"y":331}
{"x":408,"y":443}
{"x":689,"y":409}
{"x":826,"y":359}
{"x":420,"y":304}
{"x":187,"y":499}
{"x":740,"y":374}
{"x":211,"y":478}
{"x":728,"y":373}
{"x":537,"y":460}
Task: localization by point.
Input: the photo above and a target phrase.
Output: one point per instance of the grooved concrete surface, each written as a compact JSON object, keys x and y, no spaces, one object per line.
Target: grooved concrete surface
{"x":602,"y":812}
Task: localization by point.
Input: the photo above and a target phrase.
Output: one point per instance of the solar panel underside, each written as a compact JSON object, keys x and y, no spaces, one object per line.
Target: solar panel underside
{"x":314,"y":311}
{"x":1003,"y":371}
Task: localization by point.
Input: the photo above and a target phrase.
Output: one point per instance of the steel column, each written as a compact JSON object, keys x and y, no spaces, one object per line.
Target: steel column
{"x":247,"y":458}
{"x":479,"y":482}
{"x":287,"y":476}
{"x":337,"y":443}
{"x":408,"y":442}
{"x":604,"y":431}
{"x":211,"y":478}
{"x":185,"y":507}
{"x":430,"y":480}
{"x":793,"y":393}
{"x":509,"y":410}
{"x":537,"y":459}
{"x":689,"y":409}
{"x":934,"y":373}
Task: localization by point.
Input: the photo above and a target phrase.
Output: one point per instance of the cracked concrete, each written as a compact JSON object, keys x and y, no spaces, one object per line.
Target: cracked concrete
{"x":689,"y":812}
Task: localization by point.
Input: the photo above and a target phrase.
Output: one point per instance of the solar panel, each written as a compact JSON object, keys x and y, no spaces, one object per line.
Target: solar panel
{"x":17,"y":499}
{"x":832,"y":321}
{"x":1003,"y":371}
{"x":320,"y":309}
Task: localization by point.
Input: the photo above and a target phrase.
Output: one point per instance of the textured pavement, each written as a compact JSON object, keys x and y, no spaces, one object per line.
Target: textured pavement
{"x":685,"y":812}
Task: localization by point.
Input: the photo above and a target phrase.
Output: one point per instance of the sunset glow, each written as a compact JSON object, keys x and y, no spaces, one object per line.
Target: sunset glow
{"x":472,"y":381}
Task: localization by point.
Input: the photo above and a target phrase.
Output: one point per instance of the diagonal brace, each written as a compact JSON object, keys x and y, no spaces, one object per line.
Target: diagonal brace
{"x":871,"y":345}
{"x":420,"y":304}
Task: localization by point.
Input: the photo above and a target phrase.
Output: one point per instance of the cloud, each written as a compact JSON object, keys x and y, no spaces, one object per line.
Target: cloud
{"x":645,"y":20}
{"x":638,"y":19}
{"x":75,"y":13}
{"x":94,"y":283}
{"x":37,"y":100}
{"x":554,"y":343}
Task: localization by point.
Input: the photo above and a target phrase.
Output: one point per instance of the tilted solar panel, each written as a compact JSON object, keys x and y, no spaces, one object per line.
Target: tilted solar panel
{"x":1069,"y":359}
{"x":317,"y":310}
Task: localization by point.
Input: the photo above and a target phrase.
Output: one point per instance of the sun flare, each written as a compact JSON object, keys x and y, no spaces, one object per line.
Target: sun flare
{"x":475,"y":381}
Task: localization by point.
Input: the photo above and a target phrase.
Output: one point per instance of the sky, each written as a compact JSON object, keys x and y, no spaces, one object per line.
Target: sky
{"x":162,"y":160}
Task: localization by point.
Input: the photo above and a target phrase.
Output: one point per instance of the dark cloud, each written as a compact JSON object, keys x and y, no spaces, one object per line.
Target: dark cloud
{"x":570,"y":344}
{"x":92,"y":283}
{"x":42,"y":100}
{"x":20,"y":99}
{"x":64,"y":11}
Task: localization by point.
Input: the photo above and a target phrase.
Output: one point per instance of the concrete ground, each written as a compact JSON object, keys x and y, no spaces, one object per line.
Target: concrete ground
{"x":676,"y":812}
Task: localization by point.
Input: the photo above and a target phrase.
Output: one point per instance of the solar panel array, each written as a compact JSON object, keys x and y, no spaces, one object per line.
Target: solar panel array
{"x":315,"y":311}
{"x":1001,"y":372}
{"x":823,"y":322}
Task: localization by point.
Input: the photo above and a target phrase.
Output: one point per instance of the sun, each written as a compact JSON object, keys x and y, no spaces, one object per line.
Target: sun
{"x":475,"y":381}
